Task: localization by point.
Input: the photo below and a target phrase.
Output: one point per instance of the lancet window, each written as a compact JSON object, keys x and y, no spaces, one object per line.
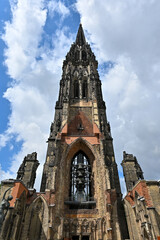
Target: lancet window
{"x":76,"y":89}
{"x":84,"y":89}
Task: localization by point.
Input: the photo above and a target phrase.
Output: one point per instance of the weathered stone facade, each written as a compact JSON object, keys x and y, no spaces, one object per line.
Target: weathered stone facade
{"x":80,"y":196}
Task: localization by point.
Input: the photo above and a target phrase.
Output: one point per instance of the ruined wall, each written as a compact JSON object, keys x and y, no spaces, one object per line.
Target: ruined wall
{"x":142,"y":210}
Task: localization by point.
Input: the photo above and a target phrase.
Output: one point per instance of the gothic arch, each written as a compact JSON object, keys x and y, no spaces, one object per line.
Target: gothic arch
{"x":80,"y":144}
{"x":39,"y":213}
{"x":40,"y":197}
{"x":36,"y":226}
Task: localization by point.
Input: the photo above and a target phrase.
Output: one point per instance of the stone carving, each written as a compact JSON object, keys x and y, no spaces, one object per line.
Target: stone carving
{"x":82,"y":226}
{"x":85,"y":225}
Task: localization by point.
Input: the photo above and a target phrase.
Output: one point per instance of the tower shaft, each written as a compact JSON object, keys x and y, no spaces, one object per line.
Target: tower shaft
{"x":80,"y":128}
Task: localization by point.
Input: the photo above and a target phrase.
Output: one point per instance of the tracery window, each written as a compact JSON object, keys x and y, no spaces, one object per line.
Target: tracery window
{"x":80,"y":180}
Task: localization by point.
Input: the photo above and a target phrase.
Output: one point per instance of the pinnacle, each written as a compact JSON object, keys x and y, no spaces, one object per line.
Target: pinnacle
{"x":80,"y":39}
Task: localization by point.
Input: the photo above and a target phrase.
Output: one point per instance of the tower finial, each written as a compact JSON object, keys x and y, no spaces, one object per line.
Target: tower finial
{"x":80,"y":39}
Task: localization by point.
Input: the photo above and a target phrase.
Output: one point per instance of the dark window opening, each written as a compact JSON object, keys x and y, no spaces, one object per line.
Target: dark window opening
{"x":85,"y":237}
{"x":81,"y":184}
{"x":76,"y":89}
{"x":77,"y":55}
{"x":84,"y":89}
{"x":75,"y":237}
{"x":84,"y":56}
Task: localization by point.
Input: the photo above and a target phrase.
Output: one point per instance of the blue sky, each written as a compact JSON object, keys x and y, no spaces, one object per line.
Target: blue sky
{"x":35,"y":37}
{"x":54,"y":21}
{"x":4,"y":104}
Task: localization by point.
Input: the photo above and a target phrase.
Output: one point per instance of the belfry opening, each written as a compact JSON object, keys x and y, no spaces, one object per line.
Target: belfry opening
{"x":80,"y":187}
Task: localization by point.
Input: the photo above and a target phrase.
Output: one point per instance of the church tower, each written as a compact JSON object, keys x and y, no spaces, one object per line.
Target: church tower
{"x":80,"y":171}
{"x":80,"y":196}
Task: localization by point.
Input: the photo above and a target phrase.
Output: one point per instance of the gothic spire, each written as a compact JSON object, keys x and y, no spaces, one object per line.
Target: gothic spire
{"x":80,"y":39}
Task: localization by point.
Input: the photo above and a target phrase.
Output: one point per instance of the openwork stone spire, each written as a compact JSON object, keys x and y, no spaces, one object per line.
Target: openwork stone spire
{"x":80,"y":51}
{"x":80,"y":39}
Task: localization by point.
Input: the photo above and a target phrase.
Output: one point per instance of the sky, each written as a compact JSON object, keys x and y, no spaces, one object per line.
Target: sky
{"x":35,"y":36}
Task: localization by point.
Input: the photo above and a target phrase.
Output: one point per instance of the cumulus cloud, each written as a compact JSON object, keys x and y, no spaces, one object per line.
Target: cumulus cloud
{"x":23,"y":33}
{"x":35,"y":68}
{"x":126,"y":33}
{"x":58,"y":7}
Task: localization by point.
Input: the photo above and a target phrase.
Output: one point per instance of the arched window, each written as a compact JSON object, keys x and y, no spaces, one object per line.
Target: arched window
{"x":35,"y":230}
{"x":76,"y":89}
{"x":80,"y":179}
{"x":84,"y":89}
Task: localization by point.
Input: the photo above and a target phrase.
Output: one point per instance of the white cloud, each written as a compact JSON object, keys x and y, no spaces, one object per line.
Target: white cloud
{"x":23,"y":34}
{"x":126,"y":33}
{"x":36,"y":70}
{"x":58,"y":7}
{"x":5,"y":175}
{"x":3,"y":140}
